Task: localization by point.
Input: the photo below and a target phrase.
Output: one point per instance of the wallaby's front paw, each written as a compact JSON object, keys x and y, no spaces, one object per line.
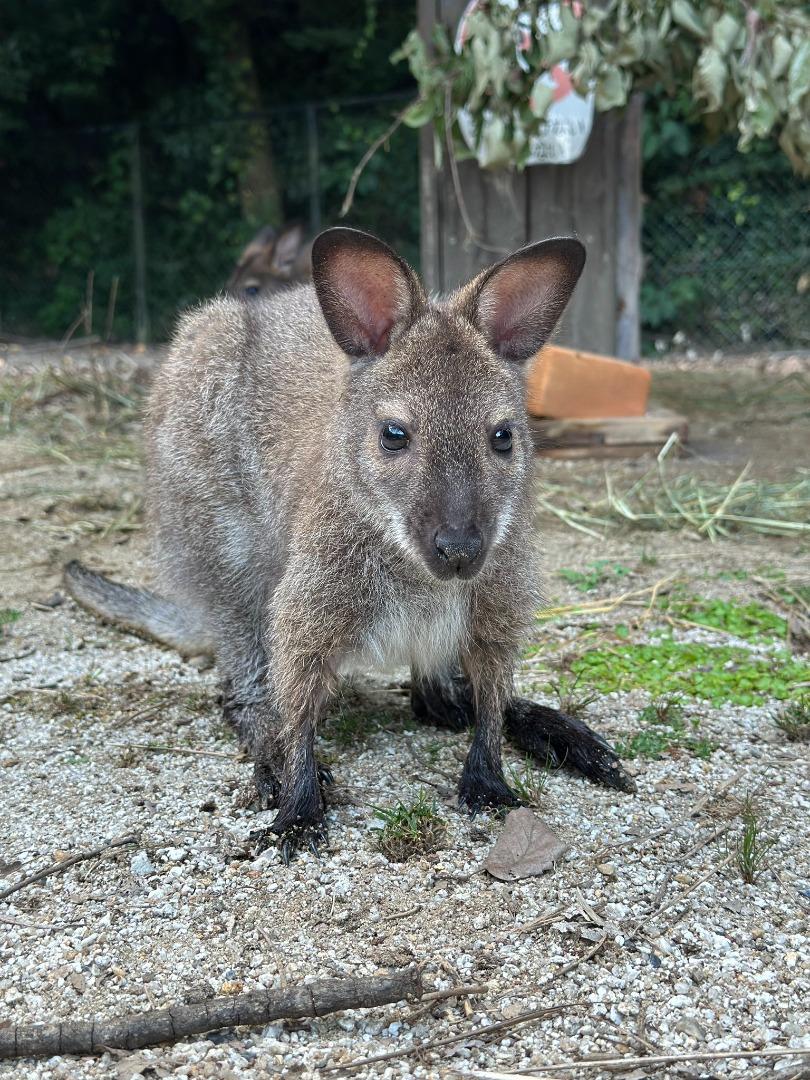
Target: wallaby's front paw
{"x":265,"y":778}
{"x":299,"y":835}
{"x":492,"y":793}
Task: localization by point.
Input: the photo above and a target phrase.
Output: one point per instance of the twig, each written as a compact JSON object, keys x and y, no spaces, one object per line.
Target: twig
{"x":681,"y":896}
{"x":454,"y":991}
{"x":174,"y":749}
{"x":429,"y":1000}
{"x":563,"y":970}
{"x":600,"y":607}
{"x":659,"y":1059}
{"x":451,"y":159}
{"x":168,"y":1025}
{"x":372,"y":150}
{"x":57,"y":868}
{"x":501,"y":1025}
{"x":402,"y":914}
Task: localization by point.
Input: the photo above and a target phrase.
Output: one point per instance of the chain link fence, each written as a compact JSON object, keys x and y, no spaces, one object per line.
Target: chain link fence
{"x":727,"y":260}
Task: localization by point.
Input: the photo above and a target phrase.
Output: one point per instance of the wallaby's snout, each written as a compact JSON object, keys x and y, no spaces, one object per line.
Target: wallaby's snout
{"x":459,"y":550}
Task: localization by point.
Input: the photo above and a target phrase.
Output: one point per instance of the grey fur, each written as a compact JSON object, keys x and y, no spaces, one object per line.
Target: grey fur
{"x":303,"y":546}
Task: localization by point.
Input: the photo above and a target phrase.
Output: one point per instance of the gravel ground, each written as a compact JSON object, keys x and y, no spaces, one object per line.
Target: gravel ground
{"x":643,"y":941}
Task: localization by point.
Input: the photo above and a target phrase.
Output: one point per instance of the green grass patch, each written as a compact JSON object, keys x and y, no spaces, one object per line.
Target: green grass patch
{"x":597,"y":573}
{"x":410,"y":829}
{"x":668,"y":731}
{"x":8,"y":616}
{"x":749,"y":850}
{"x":794,"y":719}
{"x":750,"y":621}
{"x":719,"y":674}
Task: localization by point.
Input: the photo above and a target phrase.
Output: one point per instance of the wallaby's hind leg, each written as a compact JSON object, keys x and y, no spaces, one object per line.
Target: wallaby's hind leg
{"x":551,"y":736}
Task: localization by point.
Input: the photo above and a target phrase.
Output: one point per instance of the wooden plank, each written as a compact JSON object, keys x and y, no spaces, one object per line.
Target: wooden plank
{"x":609,"y":436}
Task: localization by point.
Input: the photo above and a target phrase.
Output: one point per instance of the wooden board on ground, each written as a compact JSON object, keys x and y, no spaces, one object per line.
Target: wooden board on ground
{"x":609,"y":437}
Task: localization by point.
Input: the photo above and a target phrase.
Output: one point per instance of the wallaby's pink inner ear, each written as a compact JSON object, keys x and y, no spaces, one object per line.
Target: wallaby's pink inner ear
{"x":520,"y":301}
{"x":366,"y":291}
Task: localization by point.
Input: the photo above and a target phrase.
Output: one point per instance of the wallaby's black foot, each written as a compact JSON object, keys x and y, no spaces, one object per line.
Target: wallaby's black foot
{"x":484,"y":788}
{"x":496,"y":798}
{"x":265,"y":778}
{"x":555,"y":738}
{"x":299,"y":835}
{"x":266,"y":781}
{"x":552,"y":737}
{"x":325,"y":777}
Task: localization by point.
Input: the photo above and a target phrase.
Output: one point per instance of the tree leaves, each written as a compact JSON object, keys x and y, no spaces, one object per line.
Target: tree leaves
{"x":746,"y":71}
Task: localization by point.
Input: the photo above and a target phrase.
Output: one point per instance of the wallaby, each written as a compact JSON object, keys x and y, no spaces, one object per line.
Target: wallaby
{"x":340,"y":479}
{"x":271,"y":262}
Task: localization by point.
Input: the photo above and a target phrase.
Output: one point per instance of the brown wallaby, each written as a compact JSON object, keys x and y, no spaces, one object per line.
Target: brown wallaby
{"x":341,"y":479}
{"x":271,"y":262}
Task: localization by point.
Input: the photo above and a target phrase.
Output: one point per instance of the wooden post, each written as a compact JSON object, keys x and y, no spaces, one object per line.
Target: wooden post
{"x":597,"y":199}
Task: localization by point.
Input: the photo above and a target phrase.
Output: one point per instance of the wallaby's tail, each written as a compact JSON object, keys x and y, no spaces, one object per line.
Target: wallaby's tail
{"x":137,"y":609}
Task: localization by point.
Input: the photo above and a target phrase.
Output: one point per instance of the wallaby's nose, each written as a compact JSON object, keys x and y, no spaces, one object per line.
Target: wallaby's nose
{"x":458,"y":547}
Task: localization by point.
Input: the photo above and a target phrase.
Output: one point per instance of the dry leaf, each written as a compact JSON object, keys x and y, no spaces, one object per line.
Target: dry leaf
{"x":138,"y":1065}
{"x":527,"y":846}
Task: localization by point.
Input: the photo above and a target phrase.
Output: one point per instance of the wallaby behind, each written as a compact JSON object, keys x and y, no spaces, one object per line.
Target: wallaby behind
{"x":340,"y":478}
{"x":271,"y":262}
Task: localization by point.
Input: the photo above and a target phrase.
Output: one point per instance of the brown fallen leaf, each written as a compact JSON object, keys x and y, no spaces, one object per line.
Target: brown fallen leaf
{"x":527,"y":846}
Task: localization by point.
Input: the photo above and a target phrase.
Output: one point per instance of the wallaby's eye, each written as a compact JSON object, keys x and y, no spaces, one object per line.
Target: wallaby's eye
{"x":393,"y":437}
{"x":502,"y":440}
{"x":252,"y":290}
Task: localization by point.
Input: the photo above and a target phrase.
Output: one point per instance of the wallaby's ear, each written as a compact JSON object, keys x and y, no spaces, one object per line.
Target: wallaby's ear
{"x":287,"y":249}
{"x":262,"y":245}
{"x":366,"y":291}
{"x":518,"y":302}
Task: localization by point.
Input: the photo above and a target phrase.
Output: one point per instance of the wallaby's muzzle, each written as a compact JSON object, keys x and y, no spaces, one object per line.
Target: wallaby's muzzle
{"x":459,"y":550}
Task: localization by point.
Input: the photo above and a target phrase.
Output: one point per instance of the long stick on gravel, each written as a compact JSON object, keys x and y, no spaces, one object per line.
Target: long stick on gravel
{"x":168,"y":1025}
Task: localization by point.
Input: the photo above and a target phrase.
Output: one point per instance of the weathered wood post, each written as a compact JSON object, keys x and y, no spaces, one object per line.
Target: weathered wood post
{"x":597,"y":199}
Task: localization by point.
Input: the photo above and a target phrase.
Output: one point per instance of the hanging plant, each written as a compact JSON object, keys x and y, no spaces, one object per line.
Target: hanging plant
{"x":488,"y":93}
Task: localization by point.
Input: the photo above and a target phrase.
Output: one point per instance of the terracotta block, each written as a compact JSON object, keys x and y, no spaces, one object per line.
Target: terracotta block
{"x":568,"y":384}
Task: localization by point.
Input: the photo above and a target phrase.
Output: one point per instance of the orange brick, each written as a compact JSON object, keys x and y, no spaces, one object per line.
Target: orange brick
{"x":568,"y":384}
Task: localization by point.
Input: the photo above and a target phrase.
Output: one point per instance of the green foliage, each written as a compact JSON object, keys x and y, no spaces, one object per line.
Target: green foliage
{"x":751,"y":621}
{"x":713,"y":271}
{"x":216,"y":92}
{"x":598,"y":573}
{"x":749,"y":851}
{"x":410,"y":829}
{"x":667,"y":732}
{"x":716,"y":673}
{"x":528,"y":782}
{"x":8,"y":616}
{"x":751,"y":75}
